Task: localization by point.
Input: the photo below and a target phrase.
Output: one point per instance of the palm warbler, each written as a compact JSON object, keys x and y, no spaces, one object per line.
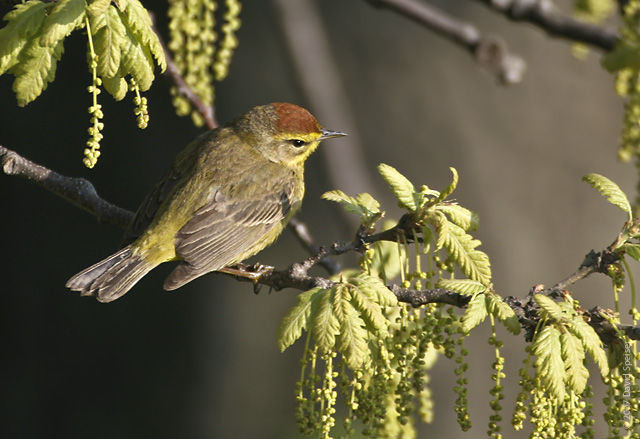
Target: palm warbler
{"x":228,"y":195}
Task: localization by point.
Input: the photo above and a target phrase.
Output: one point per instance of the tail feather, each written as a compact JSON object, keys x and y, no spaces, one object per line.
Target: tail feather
{"x":181,"y":275}
{"x":111,"y":278}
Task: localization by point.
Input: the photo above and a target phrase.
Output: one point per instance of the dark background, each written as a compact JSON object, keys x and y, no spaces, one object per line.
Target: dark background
{"x":202,"y":362}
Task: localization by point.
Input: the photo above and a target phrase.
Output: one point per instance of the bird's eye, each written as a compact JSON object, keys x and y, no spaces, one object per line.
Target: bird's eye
{"x":298,"y":143}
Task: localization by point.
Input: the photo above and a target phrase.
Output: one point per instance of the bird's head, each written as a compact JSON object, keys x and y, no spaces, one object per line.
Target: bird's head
{"x":284,"y":133}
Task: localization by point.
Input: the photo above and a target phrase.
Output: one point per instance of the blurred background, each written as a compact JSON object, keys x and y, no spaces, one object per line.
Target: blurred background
{"x":202,"y":362}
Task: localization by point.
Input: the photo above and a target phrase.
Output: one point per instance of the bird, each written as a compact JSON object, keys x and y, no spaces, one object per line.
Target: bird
{"x":228,"y":194}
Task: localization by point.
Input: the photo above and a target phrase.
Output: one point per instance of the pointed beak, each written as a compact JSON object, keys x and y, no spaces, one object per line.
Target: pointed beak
{"x":328,"y":134}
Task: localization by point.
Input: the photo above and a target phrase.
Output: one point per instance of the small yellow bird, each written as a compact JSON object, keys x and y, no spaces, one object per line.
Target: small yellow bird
{"x":228,"y":195}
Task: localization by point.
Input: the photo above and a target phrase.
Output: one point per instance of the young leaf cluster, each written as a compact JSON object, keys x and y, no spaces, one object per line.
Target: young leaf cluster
{"x":342,"y":318}
{"x":560,"y":344}
{"x":121,"y":44}
{"x":32,"y":43}
{"x":483,"y":304}
{"x":451,"y":221}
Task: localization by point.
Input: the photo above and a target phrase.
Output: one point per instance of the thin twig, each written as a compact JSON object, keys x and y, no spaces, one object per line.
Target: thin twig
{"x":301,"y":232}
{"x":546,"y":16}
{"x":490,"y":52}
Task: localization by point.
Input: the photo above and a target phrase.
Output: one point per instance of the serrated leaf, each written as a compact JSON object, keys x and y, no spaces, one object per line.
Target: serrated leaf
{"x":591,"y":342}
{"x":64,"y":17}
{"x":324,"y":322}
{"x":549,"y":365}
{"x":550,"y":307}
{"x":350,"y":204}
{"x":503,"y":312}
{"x":632,"y":250}
{"x":610,"y":191}
{"x":137,"y":19}
{"x":370,"y":312}
{"x":475,"y":313}
{"x":462,"y":250}
{"x":340,"y":297}
{"x":136,"y":61}
{"x":462,"y":286}
{"x":374,"y":286}
{"x":97,"y":7}
{"x":368,"y":297}
{"x":108,"y":37}
{"x":295,"y":320}
{"x":401,"y":187}
{"x":38,"y":69}
{"x":368,"y":202}
{"x":573,"y":357}
{"x":24,"y":23}
{"x":116,"y":86}
{"x":450,"y":188}
{"x":352,"y":339}
{"x":460,"y":216}
{"x":442,"y":229}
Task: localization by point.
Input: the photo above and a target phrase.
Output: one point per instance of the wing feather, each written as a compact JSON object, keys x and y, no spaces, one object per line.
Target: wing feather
{"x":222,"y":233}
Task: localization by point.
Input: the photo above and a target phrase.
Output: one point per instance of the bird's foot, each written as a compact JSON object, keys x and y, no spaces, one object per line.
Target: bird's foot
{"x":252,"y":272}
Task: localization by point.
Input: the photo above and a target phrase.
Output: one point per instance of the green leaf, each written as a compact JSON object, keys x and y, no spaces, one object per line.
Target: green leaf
{"x":24,"y":23}
{"x":460,"y":216}
{"x":549,"y":365}
{"x":324,"y":322}
{"x":369,"y":296}
{"x":462,"y":286}
{"x":462,"y":249}
{"x":385,"y":261}
{"x":610,"y":190}
{"x":374,"y":288}
{"x":573,"y":357}
{"x":503,"y":312}
{"x":442,"y":229}
{"x":137,"y":19}
{"x":351,"y":205}
{"x":368,"y":202}
{"x":97,"y":7}
{"x":65,"y":16}
{"x":551,"y":308}
{"x":591,"y":342}
{"x":296,"y":319}
{"x":36,"y":71}
{"x":116,"y":86}
{"x":632,"y":250}
{"x":122,"y":4}
{"x":341,"y":297}
{"x":401,"y":187}
{"x":449,"y":189}
{"x":363,"y":205}
{"x":136,"y":61}
{"x":623,"y":56}
{"x":109,"y":35}
{"x":475,"y":313}
{"x":352,"y":339}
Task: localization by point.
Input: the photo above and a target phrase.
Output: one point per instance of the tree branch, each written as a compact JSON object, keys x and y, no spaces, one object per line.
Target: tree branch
{"x":83,"y":195}
{"x":77,"y":191}
{"x":546,"y":16}
{"x":490,"y":52}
